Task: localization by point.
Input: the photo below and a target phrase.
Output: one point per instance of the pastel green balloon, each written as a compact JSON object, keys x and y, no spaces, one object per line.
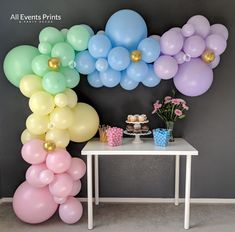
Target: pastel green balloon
{"x":44,"y":48}
{"x":64,"y":32}
{"x":54,"y":82}
{"x":50,"y":35}
{"x":78,"y":36}
{"x":17,"y":63}
{"x":72,"y":77}
{"x":40,"y":65}
{"x":63,"y":51}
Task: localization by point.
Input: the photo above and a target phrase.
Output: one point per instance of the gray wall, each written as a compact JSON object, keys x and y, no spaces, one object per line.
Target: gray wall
{"x":209,"y":126}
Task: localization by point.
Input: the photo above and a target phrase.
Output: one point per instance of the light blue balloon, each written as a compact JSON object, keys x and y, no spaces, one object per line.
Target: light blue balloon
{"x":137,"y":71}
{"x":151,"y":79}
{"x":89,"y":29}
{"x":110,"y":78}
{"x":101,"y":65}
{"x":150,"y":49}
{"x":94,"y":80}
{"x":85,"y":63}
{"x":126,"y":28}
{"x":99,"y":46}
{"x":127,"y":83}
{"x":119,"y":58}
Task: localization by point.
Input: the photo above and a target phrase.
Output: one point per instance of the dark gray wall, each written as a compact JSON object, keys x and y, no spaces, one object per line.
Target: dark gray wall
{"x":209,"y":125}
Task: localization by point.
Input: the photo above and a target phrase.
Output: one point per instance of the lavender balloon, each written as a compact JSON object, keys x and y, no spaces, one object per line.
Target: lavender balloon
{"x":193,"y":78}
{"x":177,"y":29}
{"x":215,"y":62}
{"x":180,"y":57}
{"x":219,"y":29}
{"x":216,"y":43}
{"x":187,"y":30}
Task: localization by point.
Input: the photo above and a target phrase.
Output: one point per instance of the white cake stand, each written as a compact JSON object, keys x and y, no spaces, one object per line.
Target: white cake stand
{"x":137,"y":136}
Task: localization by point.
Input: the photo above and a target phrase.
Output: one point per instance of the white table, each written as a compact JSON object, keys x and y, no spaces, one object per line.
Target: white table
{"x":178,"y":148}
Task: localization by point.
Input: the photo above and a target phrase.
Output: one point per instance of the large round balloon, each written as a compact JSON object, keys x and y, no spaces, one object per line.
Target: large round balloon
{"x":17,"y":63}
{"x":33,"y":205}
{"x":86,"y":123}
{"x":193,"y":78}
{"x":126,"y":28}
{"x":128,"y":83}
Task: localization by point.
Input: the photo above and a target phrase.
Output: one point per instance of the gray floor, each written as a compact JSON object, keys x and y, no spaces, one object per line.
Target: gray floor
{"x":132,"y":218}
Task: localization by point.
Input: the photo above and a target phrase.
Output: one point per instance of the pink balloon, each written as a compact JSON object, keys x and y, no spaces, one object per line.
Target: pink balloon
{"x":33,"y":152}
{"x":62,"y":185}
{"x":33,"y":205}
{"x":71,"y":211}
{"x":76,"y":188}
{"x":60,"y":200}
{"x":33,"y":174}
{"x":187,"y":30}
{"x":58,"y":161}
{"x":216,"y":43}
{"x":165,"y":67}
{"x":77,"y":169}
{"x":215,"y":62}
{"x":180,"y":57}
{"x":219,"y":29}
{"x":194,"y":46}
{"x":46,"y":176}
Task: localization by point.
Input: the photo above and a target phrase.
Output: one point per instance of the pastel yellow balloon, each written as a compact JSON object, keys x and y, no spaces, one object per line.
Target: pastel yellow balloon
{"x":41,"y":103}
{"x":61,"y":100}
{"x":30,"y":84}
{"x":86,"y":123}
{"x":59,"y":137}
{"x":72,"y":97}
{"x":27,"y":136}
{"x":37,"y":124}
{"x":62,"y":118}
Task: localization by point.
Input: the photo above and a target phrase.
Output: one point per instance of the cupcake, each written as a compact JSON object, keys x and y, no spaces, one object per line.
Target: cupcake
{"x":142,"y":118}
{"x":132,"y":118}
{"x":145,"y":129}
{"x":136,"y":117}
{"x":129,"y":128}
{"x":137,"y":126}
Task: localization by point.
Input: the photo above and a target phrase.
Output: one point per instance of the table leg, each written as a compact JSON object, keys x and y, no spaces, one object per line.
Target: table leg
{"x":177,"y":173}
{"x":89,"y":192}
{"x":96,"y":179}
{"x":187,"y":192}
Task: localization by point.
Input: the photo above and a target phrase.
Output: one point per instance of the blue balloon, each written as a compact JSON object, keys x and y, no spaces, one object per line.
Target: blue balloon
{"x":126,"y":28}
{"x":101,"y":65}
{"x":94,"y":80}
{"x":110,"y":78}
{"x":99,"y":45}
{"x":85,"y":63}
{"x":127,"y":83}
{"x":119,"y":58}
{"x":137,"y":71}
{"x":150,"y":49}
{"x":151,"y":79}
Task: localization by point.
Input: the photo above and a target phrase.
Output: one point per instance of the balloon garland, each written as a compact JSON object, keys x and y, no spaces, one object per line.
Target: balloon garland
{"x":122,"y":54}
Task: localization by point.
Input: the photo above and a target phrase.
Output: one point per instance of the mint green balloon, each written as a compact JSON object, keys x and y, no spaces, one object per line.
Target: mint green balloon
{"x":54,"y":82}
{"x":40,"y":65}
{"x":63,"y":51}
{"x":78,"y":36}
{"x":17,"y":63}
{"x":72,"y":77}
{"x":64,"y":32}
{"x":44,"y":48}
{"x":51,"y":35}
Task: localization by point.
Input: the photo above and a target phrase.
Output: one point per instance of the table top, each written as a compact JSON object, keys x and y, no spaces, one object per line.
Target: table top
{"x":178,"y":147}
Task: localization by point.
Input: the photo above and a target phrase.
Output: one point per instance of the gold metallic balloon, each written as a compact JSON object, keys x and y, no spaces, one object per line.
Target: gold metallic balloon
{"x":136,"y":56}
{"x":208,"y":56}
{"x":49,"y":146}
{"x":54,"y":63}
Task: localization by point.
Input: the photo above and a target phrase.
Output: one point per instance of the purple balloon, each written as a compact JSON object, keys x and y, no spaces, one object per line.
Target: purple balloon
{"x":165,"y":67}
{"x":180,"y":57}
{"x":193,"y":78}
{"x":187,"y":30}
{"x":216,"y":43}
{"x":215,"y":62}
{"x":171,"y":42}
{"x":194,"y":46}
{"x":177,"y":29}
{"x":219,"y":29}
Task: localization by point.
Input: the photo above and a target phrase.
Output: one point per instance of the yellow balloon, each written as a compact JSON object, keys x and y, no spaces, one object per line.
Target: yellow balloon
{"x":27,"y":136}
{"x":62,"y":118}
{"x":59,"y":137}
{"x":86,"y":123}
{"x":30,"y":84}
{"x":41,"y":103}
{"x":72,"y":97}
{"x":61,"y":100}
{"x":37,"y":124}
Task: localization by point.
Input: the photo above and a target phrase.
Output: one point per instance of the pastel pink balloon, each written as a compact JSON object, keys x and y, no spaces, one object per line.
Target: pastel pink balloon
{"x":46,"y":176}
{"x":60,"y":200}
{"x":58,"y":161}
{"x":71,"y":211}
{"x":33,"y":152}
{"x":62,"y":185}
{"x":77,"y":169}
{"x":33,"y":173}
{"x":33,"y":205}
{"x":217,"y":43}
{"x":76,"y":188}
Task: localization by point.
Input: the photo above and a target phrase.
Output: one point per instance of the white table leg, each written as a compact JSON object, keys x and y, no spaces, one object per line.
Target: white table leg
{"x":177,"y":178}
{"x":89,"y":192}
{"x":187,"y":192}
{"x":96,"y":179}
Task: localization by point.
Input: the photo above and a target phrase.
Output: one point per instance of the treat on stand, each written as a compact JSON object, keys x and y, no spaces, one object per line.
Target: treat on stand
{"x":142,"y":118}
{"x":145,"y":129}
{"x":129,"y":128}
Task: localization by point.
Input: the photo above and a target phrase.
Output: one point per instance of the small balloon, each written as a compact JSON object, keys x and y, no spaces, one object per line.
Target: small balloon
{"x":127,"y":83}
{"x":215,"y":62}
{"x":60,"y":138}
{"x":110,"y":78}
{"x":49,"y":146}
{"x":72,"y":77}
{"x":219,"y":29}
{"x":33,"y":173}
{"x":26,"y":136}
{"x":101,"y":65}
{"x":137,"y":71}
{"x":77,"y":168}
{"x":44,"y":48}
{"x":61,"y":100}
{"x":136,"y":56}
{"x":54,"y":63}
{"x":76,"y":188}
{"x":187,"y":30}
{"x":71,"y":97}
{"x":37,"y":124}
{"x":216,"y":43}
{"x":151,"y":80}
{"x":208,"y":56}
{"x":46,"y":176}
{"x":40,"y":65}
{"x":50,"y":35}
{"x":180,"y":57}
{"x":94,"y":80}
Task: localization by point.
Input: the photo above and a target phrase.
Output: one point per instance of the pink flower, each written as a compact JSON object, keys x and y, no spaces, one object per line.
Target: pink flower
{"x":185,"y":106}
{"x":181,"y":100}
{"x":175,"y":101}
{"x":167,"y":98}
{"x":156,"y":106}
{"x":178,"y":112}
